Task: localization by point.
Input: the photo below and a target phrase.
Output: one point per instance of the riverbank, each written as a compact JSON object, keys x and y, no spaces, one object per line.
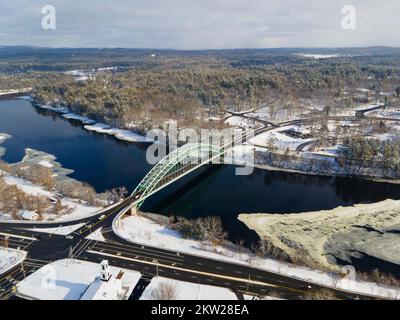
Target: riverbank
{"x":92,"y":125}
{"x":67,"y":208}
{"x":310,"y":173}
{"x":340,"y":232}
{"x":309,"y":163}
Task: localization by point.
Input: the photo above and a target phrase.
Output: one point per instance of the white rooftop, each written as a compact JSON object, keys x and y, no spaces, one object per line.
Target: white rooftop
{"x":187,"y":291}
{"x":68,"y":280}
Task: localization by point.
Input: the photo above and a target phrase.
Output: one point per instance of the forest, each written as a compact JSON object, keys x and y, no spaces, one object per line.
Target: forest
{"x":189,"y":86}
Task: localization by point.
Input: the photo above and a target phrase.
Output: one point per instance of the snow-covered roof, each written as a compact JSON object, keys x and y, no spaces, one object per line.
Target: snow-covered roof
{"x":67,"y":279}
{"x":103,"y":290}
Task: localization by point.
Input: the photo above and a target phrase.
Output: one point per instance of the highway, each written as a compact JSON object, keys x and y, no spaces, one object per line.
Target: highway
{"x":43,"y":248}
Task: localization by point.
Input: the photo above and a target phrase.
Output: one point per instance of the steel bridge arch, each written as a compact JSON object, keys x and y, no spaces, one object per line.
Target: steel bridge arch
{"x":175,"y":165}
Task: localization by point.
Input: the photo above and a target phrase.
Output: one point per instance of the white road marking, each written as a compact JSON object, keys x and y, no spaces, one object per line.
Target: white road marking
{"x":16,"y":236}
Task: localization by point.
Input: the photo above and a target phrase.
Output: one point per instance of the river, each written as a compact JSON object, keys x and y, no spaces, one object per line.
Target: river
{"x":105,"y":162}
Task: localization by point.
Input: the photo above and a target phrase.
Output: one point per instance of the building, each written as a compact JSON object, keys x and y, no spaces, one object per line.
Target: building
{"x":70,"y":279}
{"x":108,"y":287}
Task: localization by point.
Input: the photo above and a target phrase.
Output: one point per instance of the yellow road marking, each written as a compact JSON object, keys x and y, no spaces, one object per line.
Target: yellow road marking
{"x":249,"y":281}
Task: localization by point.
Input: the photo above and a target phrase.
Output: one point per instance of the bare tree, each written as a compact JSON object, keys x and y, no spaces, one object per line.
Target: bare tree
{"x":165,"y":291}
{"x":324,"y":294}
{"x":116,"y":194}
{"x":58,"y":207}
{"x":214,"y":230}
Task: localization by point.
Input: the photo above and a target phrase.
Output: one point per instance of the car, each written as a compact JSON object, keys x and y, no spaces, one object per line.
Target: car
{"x":102,"y":217}
{"x":69,"y":237}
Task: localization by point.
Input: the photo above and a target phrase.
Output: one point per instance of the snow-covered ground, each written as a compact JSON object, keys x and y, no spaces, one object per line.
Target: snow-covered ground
{"x":63,"y":231}
{"x":13,"y":91}
{"x":333,"y":151}
{"x":9,"y":258}
{"x":237,"y":121}
{"x":142,"y":230}
{"x":187,"y":291}
{"x":97,"y":236}
{"x":2,"y":137}
{"x":79,"y":210}
{"x":82,"y":119}
{"x":46,"y":164}
{"x":66,"y":280}
{"x":57,"y":109}
{"x":318,"y":56}
{"x":279,"y":139}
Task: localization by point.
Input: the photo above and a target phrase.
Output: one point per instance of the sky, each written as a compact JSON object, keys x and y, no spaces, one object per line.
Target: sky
{"x":200,"y":24}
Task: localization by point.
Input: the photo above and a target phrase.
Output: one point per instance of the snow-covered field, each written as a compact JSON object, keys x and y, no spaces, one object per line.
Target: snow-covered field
{"x":97,"y":236}
{"x":82,"y":119}
{"x":13,"y":91}
{"x":279,"y":139}
{"x":79,"y":210}
{"x":142,"y":230}
{"x":318,"y":56}
{"x":187,"y":291}
{"x":9,"y":258}
{"x":237,"y":121}
{"x":57,"y":109}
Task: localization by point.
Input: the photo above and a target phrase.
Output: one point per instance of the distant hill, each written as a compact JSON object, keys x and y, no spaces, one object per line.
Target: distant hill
{"x":17,"y":59}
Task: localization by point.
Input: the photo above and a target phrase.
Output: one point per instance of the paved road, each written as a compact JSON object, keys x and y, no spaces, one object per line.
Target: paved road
{"x":150,"y":261}
{"x":43,"y":248}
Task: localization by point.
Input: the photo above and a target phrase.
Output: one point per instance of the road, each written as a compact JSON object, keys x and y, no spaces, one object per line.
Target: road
{"x":43,"y":248}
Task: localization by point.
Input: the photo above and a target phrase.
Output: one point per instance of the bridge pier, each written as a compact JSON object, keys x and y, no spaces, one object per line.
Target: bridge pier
{"x":133,"y":211}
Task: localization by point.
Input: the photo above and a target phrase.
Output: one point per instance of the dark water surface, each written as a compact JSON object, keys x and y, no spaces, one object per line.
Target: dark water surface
{"x":106,"y":162}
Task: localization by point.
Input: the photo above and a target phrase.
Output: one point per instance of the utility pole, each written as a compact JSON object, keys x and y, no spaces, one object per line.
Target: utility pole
{"x":6,"y":241}
{"x":23,"y":270}
{"x":157,"y":268}
{"x":71,"y":253}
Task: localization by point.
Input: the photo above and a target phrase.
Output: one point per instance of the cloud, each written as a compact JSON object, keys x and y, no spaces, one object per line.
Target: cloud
{"x":191,"y":24}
